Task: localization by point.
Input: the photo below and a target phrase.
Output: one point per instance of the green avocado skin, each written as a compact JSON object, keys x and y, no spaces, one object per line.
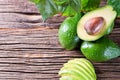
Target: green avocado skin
{"x":101,"y":50}
{"x":68,"y":32}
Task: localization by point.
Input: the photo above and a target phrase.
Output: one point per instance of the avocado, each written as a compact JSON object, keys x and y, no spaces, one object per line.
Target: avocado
{"x":67,"y":33}
{"x":77,"y":69}
{"x":100,"y":50}
{"x":97,"y":23}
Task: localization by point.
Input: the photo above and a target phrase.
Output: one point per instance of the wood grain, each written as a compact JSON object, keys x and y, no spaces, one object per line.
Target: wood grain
{"x":35,"y":53}
{"x":24,"y":14}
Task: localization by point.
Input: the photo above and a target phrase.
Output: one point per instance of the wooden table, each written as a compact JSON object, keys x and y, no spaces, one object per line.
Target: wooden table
{"x":30,"y":49}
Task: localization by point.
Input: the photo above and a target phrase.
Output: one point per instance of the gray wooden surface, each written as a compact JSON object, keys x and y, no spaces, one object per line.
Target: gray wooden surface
{"x":33,"y":52}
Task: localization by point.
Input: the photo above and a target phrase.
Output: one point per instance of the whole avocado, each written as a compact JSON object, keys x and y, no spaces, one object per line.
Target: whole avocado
{"x":68,"y":32}
{"x":101,"y":50}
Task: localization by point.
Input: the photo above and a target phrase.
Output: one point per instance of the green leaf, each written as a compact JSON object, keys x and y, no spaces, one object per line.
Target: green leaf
{"x":35,"y":1}
{"x":61,"y":2}
{"x":69,"y":11}
{"x":116,"y":5}
{"x":47,"y":8}
{"x":71,"y":7}
{"x":68,"y":7}
{"x":88,"y":5}
{"x":84,"y":3}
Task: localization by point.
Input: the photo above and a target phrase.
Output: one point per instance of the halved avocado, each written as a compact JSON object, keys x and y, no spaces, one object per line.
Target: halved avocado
{"x":95,"y":24}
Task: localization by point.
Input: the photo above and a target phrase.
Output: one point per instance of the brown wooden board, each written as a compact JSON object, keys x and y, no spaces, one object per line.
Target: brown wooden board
{"x":33,"y":52}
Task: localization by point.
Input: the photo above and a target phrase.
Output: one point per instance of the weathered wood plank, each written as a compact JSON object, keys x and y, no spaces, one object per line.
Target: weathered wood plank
{"x":16,"y":20}
{"x":17,"y":6}
{"x":23,"y":14}
{"x":35,"y":54}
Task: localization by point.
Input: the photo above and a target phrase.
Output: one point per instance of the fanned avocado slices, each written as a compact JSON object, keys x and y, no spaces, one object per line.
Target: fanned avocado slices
{"x":77,"y":69}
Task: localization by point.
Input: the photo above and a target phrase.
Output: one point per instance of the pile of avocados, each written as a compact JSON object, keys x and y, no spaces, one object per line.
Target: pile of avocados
{"x":89,"y":31}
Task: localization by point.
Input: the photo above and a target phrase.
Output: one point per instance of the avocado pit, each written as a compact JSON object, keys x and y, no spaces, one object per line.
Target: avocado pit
{"x":94,"y":25}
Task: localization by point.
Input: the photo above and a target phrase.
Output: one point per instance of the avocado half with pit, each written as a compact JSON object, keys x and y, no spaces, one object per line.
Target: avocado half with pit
{"x":95,"y":24}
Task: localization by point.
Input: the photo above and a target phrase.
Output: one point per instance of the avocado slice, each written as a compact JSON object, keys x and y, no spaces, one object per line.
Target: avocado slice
{"x":69,"y":77}
{"x":77,"y":69}
{"x":95,"y":24}
{"x":100,"y":50}
{"x":84,"y":70}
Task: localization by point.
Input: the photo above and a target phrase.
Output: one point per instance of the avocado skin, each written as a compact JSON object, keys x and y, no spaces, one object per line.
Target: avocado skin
{"x":101,"y":50}
{"x":109,"y":30}
{"x":68,"y":32}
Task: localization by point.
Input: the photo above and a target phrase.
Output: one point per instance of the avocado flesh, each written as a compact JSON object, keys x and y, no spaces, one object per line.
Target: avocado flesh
{"x":77,"y":69}
{"x":100,"y":50}
{"x":74,"y":72}
{"x":69,"y":77}
{"x":86,"y":65}
{"x":107,"y":13}
{"x":82,"y":71}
